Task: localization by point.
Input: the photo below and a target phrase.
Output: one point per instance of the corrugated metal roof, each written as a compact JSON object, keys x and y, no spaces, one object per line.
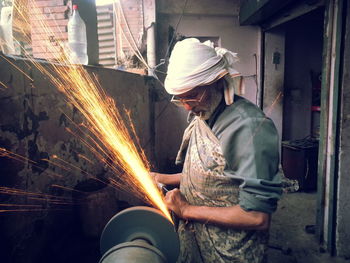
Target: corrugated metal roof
{"x":106,"y":39}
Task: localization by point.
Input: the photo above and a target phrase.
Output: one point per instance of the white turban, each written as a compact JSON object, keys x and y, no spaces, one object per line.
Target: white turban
{"x":193,"y":64}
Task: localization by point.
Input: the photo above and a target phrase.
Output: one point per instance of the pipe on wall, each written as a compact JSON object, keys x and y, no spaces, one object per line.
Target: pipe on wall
{"x":151,"y":47}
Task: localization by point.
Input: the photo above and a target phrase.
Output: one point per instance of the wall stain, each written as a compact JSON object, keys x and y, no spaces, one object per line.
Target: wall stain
{"x":28,"y":127}
{"x":37,"y":156}
{"x":30,"y":124}
{"x":9,"y":168}
{"x":63,"y":120}
{"x":75,"y":149}
{"x":63,"y":147}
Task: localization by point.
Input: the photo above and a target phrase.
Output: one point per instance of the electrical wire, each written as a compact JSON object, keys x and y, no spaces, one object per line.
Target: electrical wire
{"x":164,"y":60}
{"x":129,"y":31}
{"x":176,"y":27}
{"x":139,"y":55}
{"x":134,"y":48}
{"x":166,"y":57}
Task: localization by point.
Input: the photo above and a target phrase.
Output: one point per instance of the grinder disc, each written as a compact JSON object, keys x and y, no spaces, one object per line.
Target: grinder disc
{"x":141,"y":222}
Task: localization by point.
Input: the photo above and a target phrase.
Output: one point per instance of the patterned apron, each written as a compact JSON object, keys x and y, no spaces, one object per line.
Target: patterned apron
{"x":203,"y":184}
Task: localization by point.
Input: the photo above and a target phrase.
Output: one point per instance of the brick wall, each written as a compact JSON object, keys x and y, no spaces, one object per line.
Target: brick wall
{"x":129,"y":30}
{"x":54,"y":14}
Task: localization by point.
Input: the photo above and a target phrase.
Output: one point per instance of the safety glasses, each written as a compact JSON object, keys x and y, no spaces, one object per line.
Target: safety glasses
{"x":190,"y":102}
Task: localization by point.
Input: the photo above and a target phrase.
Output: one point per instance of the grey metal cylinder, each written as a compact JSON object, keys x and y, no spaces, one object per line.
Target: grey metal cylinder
{"x":139,"y":235}
{"x":133,"y":252}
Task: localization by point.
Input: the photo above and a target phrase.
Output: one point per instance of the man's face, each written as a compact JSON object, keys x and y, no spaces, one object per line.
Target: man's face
{"x":200,"y":100}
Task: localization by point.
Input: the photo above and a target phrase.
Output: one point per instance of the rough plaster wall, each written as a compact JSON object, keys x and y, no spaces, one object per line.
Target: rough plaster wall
{"x":274,"y":77}
{"x":343,"y":204}
{"x":169,"y":126}
{"x":32,"y":124}
{"x":304,"y":39}
{"x":240,"y":39}
{"x":203,"y":19}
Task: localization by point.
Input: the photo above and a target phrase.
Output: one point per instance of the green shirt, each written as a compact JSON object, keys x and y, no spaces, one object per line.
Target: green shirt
{"x":249,"y":141}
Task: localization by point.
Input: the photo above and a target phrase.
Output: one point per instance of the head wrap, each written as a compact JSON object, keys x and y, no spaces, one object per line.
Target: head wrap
{"x":194,"y":64}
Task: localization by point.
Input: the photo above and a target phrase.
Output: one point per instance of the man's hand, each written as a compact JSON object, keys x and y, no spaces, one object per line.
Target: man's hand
{"x":167,"y":179}
{"x":176,"y":202}
{"x":155,"y":177}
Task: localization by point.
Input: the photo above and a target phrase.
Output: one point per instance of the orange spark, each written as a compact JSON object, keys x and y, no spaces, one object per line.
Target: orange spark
{"x":67,"y":188}
{"x":13,"y":205}
{"x":3,"y":84}
{"x":18,"y":192}
{"x":16,"y":67}
{"x":31,"y":210}
{"x":103,"y":118}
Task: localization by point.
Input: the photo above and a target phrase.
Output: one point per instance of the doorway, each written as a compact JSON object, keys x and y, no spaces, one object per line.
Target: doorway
{"x":293,"y":62}
{"x":292,"y":90}
{"x":301,"y":98}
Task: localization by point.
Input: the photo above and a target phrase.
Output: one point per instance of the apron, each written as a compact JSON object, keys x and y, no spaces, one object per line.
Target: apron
{"x":203,"y":184}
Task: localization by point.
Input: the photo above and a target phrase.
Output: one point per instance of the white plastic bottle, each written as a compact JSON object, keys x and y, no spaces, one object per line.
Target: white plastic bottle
{"x":77,"y":41}
{"x":6,"y":33}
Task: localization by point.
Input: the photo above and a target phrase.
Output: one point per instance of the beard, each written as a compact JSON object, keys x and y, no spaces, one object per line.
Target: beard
{"x":205,"y":112}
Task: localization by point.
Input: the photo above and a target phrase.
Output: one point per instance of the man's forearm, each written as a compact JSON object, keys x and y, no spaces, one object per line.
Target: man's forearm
{"x":168,"y":179}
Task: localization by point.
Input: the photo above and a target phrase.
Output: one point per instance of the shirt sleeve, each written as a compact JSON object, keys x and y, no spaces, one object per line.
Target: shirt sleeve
{"x":250,"y":147}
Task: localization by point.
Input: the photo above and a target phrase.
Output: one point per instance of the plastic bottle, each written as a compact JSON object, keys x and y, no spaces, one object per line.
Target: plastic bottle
{"x":77,"y":41}
{"x":6,"y":32}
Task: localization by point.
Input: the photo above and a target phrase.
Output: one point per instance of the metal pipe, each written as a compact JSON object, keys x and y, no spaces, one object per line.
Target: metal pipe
{"x":139,"y":250}
{"x":151,"y":48}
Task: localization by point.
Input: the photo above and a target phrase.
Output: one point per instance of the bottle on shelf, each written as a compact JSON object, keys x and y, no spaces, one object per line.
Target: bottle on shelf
{"x":77,"y":41}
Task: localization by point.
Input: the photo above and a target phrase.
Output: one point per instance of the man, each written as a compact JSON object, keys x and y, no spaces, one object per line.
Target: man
{"x":229,"y":185}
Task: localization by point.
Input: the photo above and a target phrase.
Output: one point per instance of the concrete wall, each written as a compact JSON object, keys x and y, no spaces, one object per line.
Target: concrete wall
{"x":274,"y":77}
{"x":203,"y":19}
{"x":33,"y":124}
{"x":343,"y":204}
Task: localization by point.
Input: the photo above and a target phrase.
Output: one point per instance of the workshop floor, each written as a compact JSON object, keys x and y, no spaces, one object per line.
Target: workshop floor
{"x":296,"y":210}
